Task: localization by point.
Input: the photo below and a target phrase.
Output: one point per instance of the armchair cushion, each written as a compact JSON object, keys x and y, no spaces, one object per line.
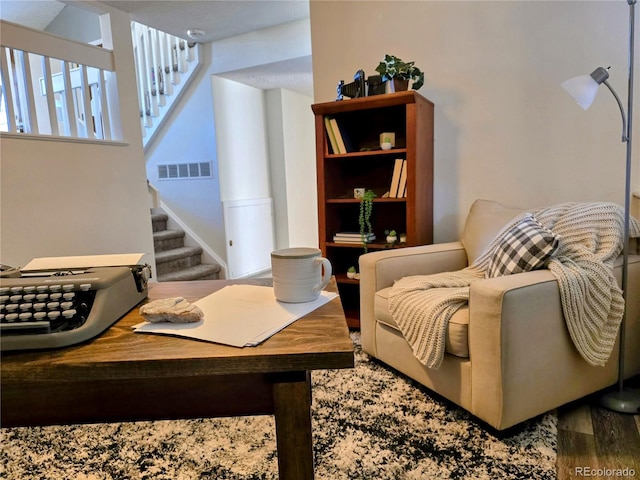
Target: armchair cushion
{"x":457,"y":336}
{"x":485,"y":220}
{"x":526,"y":246}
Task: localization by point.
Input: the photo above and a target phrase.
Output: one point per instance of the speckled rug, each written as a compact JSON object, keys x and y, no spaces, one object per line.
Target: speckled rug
{"x":369,"y":423}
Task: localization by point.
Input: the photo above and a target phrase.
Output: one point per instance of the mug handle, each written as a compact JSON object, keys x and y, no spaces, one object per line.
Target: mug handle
{"x":327,"y":273}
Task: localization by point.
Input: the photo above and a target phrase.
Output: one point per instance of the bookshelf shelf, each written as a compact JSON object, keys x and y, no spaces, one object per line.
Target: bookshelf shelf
{"x":368,"y":153}
{"x":375,"y":200}
{"x":362,"y":164}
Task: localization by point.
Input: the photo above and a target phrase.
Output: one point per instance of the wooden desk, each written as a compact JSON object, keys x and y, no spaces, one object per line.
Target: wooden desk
{"x":125,"y":376}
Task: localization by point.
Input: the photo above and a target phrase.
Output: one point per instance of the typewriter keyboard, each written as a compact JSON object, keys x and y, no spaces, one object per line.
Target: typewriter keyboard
{"x":44,"y":308}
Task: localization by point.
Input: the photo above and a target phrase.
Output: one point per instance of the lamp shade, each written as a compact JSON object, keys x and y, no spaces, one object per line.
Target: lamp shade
{"x":583,"y":89}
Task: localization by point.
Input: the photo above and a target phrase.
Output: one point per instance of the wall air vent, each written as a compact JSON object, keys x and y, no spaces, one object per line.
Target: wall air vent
{"x":176,"y":171}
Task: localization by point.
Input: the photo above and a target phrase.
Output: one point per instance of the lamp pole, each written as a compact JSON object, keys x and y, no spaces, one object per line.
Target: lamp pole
{"x":621,"y":400}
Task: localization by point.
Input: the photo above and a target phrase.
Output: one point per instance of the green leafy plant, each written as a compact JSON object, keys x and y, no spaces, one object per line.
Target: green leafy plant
{"x":364,"y":219}
{"x":393,"y":233}
{"x":351,"y":269}
{"x":393,"y":66}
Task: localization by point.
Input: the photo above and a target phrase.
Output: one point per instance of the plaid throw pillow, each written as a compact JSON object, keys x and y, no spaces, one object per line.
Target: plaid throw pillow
{"x":527,"y":246}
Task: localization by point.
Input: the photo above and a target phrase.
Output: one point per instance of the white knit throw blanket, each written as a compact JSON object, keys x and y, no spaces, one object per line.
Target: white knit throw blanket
{"x":590,"y":240}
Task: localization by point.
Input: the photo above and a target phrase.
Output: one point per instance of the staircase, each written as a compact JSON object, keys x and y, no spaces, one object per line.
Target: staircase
{"x":165,"y":66}
{"x":174,"y":260}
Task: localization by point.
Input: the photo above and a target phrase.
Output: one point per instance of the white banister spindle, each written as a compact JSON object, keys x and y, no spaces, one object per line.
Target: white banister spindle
{"x":144,"y":113}
{"x":188,"y":52}
{"x":51,"y":101}
{"x":104,"y":109}
{"x":181,"y":45}
{"x":136,"y":54}
{"x":165,"y":65}
{"x":96,"y":104}
{"x":7,"y":90}
{"x":148,"y":73}
{"x":86,"y":103}
{"x":68,"y":110}
{"x":155,"y":60}
{"x":151,"y":71}
{"x":175,"y":59}
{"x":25,"y":92}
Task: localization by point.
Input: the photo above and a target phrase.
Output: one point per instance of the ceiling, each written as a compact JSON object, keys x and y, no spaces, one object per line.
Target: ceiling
{"x":217,"y":18}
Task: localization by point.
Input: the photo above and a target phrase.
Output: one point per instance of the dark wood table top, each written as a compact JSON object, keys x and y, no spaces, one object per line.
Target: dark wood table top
{"x":319,"y":340}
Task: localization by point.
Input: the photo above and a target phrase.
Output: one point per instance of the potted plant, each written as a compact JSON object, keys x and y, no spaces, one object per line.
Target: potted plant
{"x":351,"y":272}
{"x":364,"y":219}
{"x":392,"y":237}
{"x":399,"y":73}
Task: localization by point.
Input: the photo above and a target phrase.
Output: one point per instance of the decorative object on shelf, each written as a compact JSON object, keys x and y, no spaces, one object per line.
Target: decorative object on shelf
{"x":376,"y":85}
{"x":584,"y":89}
{"x":354,"y":89}
{"x":358,"y":192}
{"x":387,"y":140}
{"x":364,"y":219}
{"x":399,"y":73}
{"x":403,"y":238}
{"x":392,"y":237}
{"x":351,"y":272}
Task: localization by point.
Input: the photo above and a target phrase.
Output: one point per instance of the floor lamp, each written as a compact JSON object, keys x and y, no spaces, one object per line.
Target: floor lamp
{"x":584,"y":89}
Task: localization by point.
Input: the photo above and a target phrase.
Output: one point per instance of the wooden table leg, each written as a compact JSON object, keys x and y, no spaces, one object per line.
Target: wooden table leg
{"x":292,"y":405}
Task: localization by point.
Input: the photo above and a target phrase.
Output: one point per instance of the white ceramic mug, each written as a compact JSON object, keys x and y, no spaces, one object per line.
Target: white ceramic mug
{"x":299,"y":274}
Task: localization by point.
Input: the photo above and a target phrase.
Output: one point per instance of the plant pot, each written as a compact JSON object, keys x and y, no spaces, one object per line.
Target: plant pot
{"x":351,"y":274}
{"x":391,"y":239}
{"x":399,"y":85}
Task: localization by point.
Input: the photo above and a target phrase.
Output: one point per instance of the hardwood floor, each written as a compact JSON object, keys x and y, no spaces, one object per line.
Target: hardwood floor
{"x":594,"y":442}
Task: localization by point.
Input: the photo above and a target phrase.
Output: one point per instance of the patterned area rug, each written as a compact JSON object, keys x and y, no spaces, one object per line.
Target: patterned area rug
{"x":369,"y":423}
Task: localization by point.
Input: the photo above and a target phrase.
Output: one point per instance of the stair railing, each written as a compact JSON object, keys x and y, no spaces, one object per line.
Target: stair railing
{"x":164,"y":66}
{"x":55,"y":86}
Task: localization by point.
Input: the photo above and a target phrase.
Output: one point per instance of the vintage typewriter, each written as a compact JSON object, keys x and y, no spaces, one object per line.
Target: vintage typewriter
{"x":61,"y":307}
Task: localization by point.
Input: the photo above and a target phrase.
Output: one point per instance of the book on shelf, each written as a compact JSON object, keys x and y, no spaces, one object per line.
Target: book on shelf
{"x":353,"y":237}
{"x":402,"y":184}
{"x":338,"y":134}
{"x":395,"y":178}
{"x":351,"y":234}
{"x":332,"y":137}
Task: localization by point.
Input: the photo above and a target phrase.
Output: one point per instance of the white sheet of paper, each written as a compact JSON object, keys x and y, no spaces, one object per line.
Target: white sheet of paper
{"x":239,"y":315}
{"x":83,"y":261}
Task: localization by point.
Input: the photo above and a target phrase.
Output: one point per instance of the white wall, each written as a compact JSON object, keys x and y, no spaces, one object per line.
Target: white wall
{"x":76,"y":24}
{"x":241,"y":138}
{"x":268,"y":45}
{"x":505,"y":129}
{"x":293,"y":168}
{"x":243,"y":169}
{"x":61,"y":198}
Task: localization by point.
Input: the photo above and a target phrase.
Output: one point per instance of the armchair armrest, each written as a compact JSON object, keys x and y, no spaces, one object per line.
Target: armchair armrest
{"x":380,"y":269}
{"x":524,"y":361}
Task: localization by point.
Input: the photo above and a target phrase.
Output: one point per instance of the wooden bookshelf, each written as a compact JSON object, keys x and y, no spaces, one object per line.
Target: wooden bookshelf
{"x":361,"y":121}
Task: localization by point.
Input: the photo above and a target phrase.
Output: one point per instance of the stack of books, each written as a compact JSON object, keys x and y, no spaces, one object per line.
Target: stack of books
{"x":353,"y":237}
{"x":338,"y":140}
{"x":398,"y":188}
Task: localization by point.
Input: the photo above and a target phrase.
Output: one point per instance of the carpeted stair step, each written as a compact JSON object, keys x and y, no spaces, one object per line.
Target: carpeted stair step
{"x":204,"y":271}
{"x":159,"y":221}
{"x":176,"y":259}
{"x":168,"y":240}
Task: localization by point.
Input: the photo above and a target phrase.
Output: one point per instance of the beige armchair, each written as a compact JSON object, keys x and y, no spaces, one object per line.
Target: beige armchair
{"x":509,"y":356}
